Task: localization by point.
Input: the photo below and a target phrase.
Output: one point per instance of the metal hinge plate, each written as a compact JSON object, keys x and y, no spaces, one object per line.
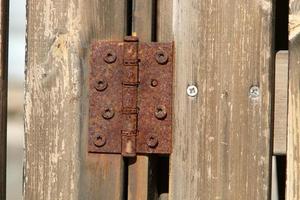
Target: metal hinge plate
{"x":130,"y":97}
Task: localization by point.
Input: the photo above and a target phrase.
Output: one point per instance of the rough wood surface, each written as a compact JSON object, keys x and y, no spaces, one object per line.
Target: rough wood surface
{"x":138,"y":168}
{"x":57,"y":164}
{"x":293,"y":143}
{"x":4,"y":4}
{"x":280,"y":111}
{"x":221,"y":145}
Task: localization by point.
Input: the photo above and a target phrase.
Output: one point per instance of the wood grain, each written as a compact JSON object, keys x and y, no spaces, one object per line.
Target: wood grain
{"x":4,"y":5}
{"x":280,"y":107}
{"x":57,"y":165}
{"x":221,"y":143}
{"x":138,"y":168}
{"x":293,"y":143}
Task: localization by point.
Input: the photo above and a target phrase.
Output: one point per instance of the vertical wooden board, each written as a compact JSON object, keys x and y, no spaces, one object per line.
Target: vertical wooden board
{"x":221,"y":144}
{"x":4,"y":5}
{"x":138,"y":178}
{"x":138,"y":168}
{"x":293,"y":141}
{"x":57,"y":164}
{"x":142,"y":19}
{"x":280,"y":107}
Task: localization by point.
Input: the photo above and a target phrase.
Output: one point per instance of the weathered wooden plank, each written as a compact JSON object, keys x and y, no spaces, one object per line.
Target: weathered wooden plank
{"x":280,"y":107}
{"x":4,"y":4}
{"x":59,"y":34}
{"x":142,"y":19}
{"x":221,"y":147}
{"x":138,"y":178}
{"x":293,"y":141}
{"x":138,"y":167}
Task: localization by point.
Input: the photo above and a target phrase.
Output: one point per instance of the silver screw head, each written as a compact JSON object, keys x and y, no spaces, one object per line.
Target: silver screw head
{"x":254,"y":92}
{"x":192,"y":90}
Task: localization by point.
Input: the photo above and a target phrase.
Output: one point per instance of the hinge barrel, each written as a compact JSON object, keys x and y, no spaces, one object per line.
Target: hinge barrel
{"x":129,"y":96}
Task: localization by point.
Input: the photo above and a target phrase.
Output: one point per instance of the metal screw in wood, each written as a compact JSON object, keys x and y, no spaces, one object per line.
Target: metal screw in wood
{"x":254,"y":92}
{"x":192,"y":90}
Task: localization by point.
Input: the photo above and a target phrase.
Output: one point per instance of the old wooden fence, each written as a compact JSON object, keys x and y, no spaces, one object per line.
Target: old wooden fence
{"x":247,"y":108}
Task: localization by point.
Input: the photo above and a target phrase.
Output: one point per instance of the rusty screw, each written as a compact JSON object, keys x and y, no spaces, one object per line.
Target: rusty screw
{"x":154,"y":83}
{"x":152,"y":141}
{"x":160,"y":112}
{"x":161,"y":57}
{"x":108,"y":113}
{"x":99,"y":140}
{"x":100,"y":85}
{"x":110,"y":56}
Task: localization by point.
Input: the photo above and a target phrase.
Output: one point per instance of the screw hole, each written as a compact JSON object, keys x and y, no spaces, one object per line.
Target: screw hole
{"x":154,"y":83}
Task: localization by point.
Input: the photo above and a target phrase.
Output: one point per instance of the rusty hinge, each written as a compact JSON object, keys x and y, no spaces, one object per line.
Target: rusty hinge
{"x":130,"y":96}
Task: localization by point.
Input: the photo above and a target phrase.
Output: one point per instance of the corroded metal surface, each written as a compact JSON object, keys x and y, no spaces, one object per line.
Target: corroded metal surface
{"x":130,"y":97}
{"x":155,"y":101}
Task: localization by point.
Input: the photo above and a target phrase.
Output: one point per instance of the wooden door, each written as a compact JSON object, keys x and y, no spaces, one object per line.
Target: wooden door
{"x":221,"y":136}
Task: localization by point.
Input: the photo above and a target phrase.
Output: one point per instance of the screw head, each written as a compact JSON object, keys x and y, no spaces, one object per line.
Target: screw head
{"x":110,"y":56}
{"x":152,"y":141}
{"x":192,"y":90}
{"x":160,"y":112}
{"x":154,"y":83}
{"x":100,"y":85}
{"x":108,"y":113}
{"x":99,"y":140}
{"x":254,"y":92}
{"x":161,"y":57}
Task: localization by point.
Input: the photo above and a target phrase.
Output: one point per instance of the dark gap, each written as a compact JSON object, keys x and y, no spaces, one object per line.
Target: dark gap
{"x":158,"y":174}
{"x":128,"y":13}
{"x":129,"y":16}
{"x":281,"y":43}
{"x":281,"y":175}
{"x":281,"y":24}
{"x":152,"y":178}
{"x":163,"y":175}
{"x":125,"y":179}
{"x":154,"y":21}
